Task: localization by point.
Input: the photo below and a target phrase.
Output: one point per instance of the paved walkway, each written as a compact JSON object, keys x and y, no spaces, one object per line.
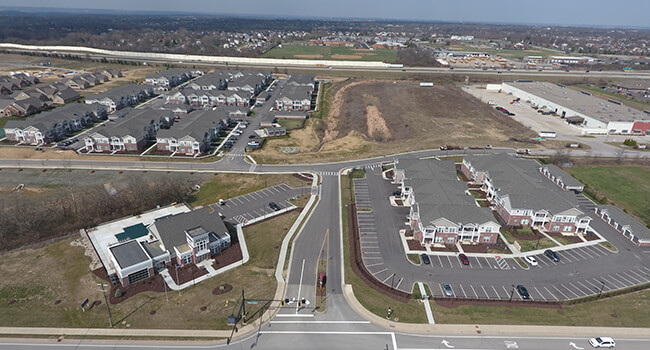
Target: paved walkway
{"x":425,"y":301}
{"x":208,"y":266}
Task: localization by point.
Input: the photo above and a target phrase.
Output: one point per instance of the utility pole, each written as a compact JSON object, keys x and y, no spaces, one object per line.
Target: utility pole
{"x":110,"y":317}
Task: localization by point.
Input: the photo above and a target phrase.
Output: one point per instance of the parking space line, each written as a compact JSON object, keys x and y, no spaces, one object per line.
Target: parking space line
{"x":559,"y":291}
{"x":377,"y":264}
{"x":578,"y":288}
{"x":450,"y":263}
{"x":442,"y":292}
{"x":615,"y":284}
{"x":574,"y":254}
{"x":581,"y":254}
{"x":564,"y":257}
{"x":585,"y":287}
{"x":624,"y":279}
{"x":371,"y":257}
{"x":638,"y":274}
{"x":463,"y":290}
{"x":540,"y":293}
{"x":585,"y":252}
{"x":440,"y":261}
{"x":593,"y":285}
{"x":239,"y":200}
{"x":635,"y":279}
{"x":505,"y":290}
{"x":398,"y":283}
{"x":591,"y":249}
{"x":387,"y":278}
{"x":473,"y":290}
{"x":478,"y":260}
{"x":570,"y":291}
{"x":543,"y":261}
{"x":380,"y":271}
{"x":553,"y":295}
{"x":485,"y":292}
{"x":495,"y":292}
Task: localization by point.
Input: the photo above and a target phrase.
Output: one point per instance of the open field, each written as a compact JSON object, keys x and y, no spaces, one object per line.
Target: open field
{"x":505,"y":53}
{"x":331,"y":53}
{"x":621,"y":311}
{"x":224,"y":186}
{"x":37,"y":278}
{"x":626,"y":186}
{"x":376,"y":117}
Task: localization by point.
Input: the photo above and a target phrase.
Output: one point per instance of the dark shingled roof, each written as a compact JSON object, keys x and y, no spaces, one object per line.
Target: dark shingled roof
{"x":172,"y":228}
{"x":129,"y":253}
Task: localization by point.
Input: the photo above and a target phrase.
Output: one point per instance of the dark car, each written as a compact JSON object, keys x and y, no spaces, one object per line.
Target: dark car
{"x":463,"y":258}
{"x":551,"y":255}
{"x":523,"y":292}
{"x":397,"y":193}
{"x":425,"y":259}
{"x":274,"y":206}
{"x":252,"y":136}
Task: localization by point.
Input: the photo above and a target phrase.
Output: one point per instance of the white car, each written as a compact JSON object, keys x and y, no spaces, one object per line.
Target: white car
{"x":531,"y":260}
{"x":602,"y":342}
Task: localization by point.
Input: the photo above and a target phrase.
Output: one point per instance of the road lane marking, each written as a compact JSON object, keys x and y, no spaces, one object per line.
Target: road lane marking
{"x":380,"y":271}
{"x":300,"y":285}
{"x":319,"y":322}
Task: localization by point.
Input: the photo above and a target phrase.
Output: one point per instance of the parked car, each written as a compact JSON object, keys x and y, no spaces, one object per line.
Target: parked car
{"x":397,"y":193}
{"x":425,"y":259}
{"x":552,"y":255}
{"x":602,"y":342}
{"x":523,"y":292}
{"x":463,"y":258}
{"x":531,"y":260}
{"x":447,"y":288}
{"x":274,"y":206}
{"x":252,"y":136}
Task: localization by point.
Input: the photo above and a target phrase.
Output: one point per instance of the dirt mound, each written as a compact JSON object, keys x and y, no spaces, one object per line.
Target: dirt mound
{"x":377,"y":128}
{"x":308,"y":56}
{"x":346,"y":57}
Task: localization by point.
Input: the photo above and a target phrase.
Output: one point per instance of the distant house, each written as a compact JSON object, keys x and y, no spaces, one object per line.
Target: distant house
{"x":122,"y":96}
{"x":28,"y":106}
{"x":191,"y":135}
{"x":109,"y":73}
{"x":297,"y":79}
{"x":294,"y":98}
{"x":170,"y":78}
{"x":129,"y":133}
{"x":66,"y":96}
{"x":76,"y":83}
{"x":275,"y":131}
{"x":25,"y":94}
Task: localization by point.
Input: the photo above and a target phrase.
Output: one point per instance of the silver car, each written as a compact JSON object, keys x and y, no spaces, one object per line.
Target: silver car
{"x":447,"y":288}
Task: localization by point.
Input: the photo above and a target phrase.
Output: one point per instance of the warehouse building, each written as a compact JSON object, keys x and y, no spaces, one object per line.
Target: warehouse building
{"x":595,"y":115}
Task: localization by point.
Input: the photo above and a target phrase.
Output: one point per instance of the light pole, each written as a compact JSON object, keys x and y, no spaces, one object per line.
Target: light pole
{"x":601,"y":289}
{"x":512,"y":293}
{"x":110,"y":317}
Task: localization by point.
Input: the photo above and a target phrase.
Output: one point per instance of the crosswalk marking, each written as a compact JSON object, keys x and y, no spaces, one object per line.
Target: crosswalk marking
{"x":328,"y":173}
{"x":503,"y":264}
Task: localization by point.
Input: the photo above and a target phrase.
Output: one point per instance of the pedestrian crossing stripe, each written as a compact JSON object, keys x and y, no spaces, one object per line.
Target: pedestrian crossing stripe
{"x":329,"y":173}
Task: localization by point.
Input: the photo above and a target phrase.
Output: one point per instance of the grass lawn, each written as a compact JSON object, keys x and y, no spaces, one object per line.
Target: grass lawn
{"x":414,"y":258}
{"x":526,"y":245}
{"x":62,"y":273}
{"x":224,"y":186}
{"x":377,"y":303}
{"x":521,"y":263}
{"x":627,"y":187}
{"x":292,"y":124}
{"x":564,"y":240}
{"x":331,"y":53}
{"x":627,"y":310}
{"x":609,"y":246}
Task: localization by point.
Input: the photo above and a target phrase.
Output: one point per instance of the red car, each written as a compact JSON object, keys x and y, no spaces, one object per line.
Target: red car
{"x":463,"y":258}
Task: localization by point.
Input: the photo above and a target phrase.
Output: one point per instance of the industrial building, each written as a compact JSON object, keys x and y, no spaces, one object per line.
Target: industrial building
{"x":595,"y":115}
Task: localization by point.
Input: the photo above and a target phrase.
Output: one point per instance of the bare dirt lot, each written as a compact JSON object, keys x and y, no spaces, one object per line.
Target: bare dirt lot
{"x":375,"y":117}
{"x":308,"y":56}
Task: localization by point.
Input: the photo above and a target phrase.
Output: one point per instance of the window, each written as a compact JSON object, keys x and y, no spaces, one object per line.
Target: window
{"x":138,"y":276}
{"x":452,"y":230}
{"x":187,"y":259}
{"x":437,"y":239}
{"x":567,"y":229}
{"x":572,"y":219}
{"x":486,"y":238}
{"x":440,"y":229}
{"x":524,"y":221}
{"x":557,"y":218}
{"x":556,"y":227}
{"x":488,"y":229}
{"x":451,"y":239}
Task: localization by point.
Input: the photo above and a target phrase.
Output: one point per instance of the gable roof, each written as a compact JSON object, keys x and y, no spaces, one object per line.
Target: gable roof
{"x":172,"y":228}
{"x":641,"y":231}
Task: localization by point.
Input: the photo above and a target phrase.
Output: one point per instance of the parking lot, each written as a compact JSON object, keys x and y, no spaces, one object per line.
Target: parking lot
{"x":583,"y":270}
{"x":253,"y":205}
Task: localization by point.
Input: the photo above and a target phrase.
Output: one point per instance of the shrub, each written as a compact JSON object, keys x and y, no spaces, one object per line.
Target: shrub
{"x":629,"y":142}
{"x":119,"y":293}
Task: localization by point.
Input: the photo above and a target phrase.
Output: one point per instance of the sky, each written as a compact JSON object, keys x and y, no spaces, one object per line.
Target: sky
{"x":611,"y":13}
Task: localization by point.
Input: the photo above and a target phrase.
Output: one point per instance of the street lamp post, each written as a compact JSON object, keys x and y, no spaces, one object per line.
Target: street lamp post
{"x":110,"y":317}
{"x":601,"y":289}
{"x":512,"y":293}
